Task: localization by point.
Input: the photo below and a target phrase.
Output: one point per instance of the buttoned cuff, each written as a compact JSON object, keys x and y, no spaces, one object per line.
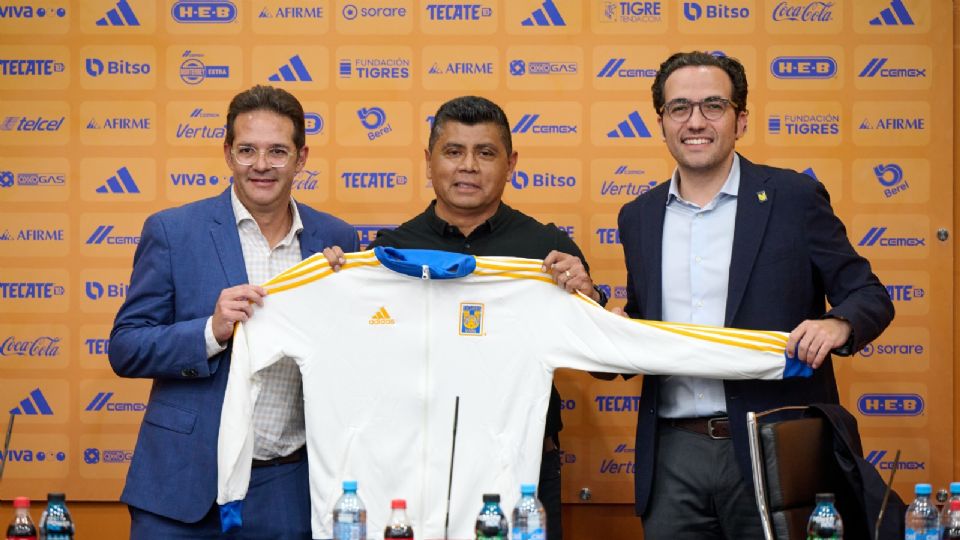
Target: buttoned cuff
{"x":213,"y":346}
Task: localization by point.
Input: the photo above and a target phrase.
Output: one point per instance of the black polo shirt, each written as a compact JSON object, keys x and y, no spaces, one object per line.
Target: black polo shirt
{"x":508,"y":233}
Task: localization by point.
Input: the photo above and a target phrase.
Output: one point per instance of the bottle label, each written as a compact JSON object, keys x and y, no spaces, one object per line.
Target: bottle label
{"x":529,"y":534}
{"x":497,"y":536}
{"x":923,"y":534}
{"x":21,"y":538}
{"x":835,"y":537}
{"x":349,"y":531}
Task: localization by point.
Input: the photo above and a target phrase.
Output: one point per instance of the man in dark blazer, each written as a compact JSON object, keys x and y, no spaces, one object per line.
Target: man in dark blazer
{"x":731,"y":243}
{"x":191,"y":281}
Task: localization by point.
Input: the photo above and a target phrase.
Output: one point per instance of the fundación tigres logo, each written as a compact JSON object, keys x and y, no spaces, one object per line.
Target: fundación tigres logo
{"x":381,"y":317}
{"x":471,"y":319}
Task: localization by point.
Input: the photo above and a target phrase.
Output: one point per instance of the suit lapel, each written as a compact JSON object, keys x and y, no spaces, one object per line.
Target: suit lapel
{"x":651,"y":249}
{"x":755,"y":201}
{"x":226,"y":238}
{"x":311,"y":240}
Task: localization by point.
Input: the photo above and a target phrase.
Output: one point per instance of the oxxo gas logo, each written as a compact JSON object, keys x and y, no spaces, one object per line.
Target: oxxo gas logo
{"x":520,"y":67}
{"x":803,"y":67}
{"x":890,"y":404}
{"x":203,"y":11}
{"x":96,"y":456}
{"x":883,"y":460}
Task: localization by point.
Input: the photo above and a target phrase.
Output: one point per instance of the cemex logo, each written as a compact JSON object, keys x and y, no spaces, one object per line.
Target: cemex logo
{"x":803,"y":67}
{"x":529,"y":124}
{"x":101,"y":401}
{"x":120,"y":15}
{"x":203,"y":11}
{"x":546,"y":15}
{"x":293,"y":71}
{"x":876,"y":67}
{"x":30,"y":12}
{"x":33,"y":405}
{"x":101,"y":235}
{"x":631,"y":128}
{"x":614,"y":68}
{"x":876,"y":458}
{"x":895,"y":15}
{"x":876,"y":237}
{"x":694,"y":11}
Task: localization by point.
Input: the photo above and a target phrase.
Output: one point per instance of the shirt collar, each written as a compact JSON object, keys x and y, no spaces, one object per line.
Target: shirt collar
{"x":443,"y":228}
{"x":729,"y":189}
{"x":241,"y":214}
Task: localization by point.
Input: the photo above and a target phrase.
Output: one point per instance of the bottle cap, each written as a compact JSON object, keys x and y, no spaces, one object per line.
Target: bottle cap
{"x":825,"y":497}
{"x":56,"y":497}
{"x":349,"y":485}
{"x":491,"y":497}
{"x":528,"y":489}
{"x":955,"y":488}
{"x":21,"y":502}
{"x":923,"y":489}
{"x":398,"y":504}
{"x":955,"y":505}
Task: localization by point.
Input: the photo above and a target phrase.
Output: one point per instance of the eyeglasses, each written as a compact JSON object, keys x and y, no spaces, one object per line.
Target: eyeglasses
{"x":247,"y":156}
{"x":712,"y":108}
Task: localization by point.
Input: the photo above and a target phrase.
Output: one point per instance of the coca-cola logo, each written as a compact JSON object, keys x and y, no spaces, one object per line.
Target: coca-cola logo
{"x":809,"y":12}
{"x":40,"y":346}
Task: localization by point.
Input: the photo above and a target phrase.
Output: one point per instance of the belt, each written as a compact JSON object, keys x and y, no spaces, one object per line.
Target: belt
{"x":294,"y":457}
{"x":717,"y":427}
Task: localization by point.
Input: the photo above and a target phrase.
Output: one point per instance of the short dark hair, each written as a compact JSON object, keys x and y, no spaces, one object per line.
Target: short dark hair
{"x":268,"y":98}
{"x":471,"y":110}
{"x":731,"y":66}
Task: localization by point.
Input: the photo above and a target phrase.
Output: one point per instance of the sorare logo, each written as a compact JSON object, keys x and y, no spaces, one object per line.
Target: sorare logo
{"x":886,"y":349}
{"x":351,"y":12}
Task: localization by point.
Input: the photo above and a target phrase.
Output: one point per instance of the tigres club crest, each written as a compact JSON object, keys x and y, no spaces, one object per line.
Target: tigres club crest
{"x":471,"y":319}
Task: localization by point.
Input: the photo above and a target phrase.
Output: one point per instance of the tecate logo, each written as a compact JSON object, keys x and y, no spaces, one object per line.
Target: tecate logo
{"x":458,"y":12}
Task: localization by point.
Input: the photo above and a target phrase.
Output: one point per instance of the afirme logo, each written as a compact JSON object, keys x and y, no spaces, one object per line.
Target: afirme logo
{"x":292,"y":12}
{"x":204,"y":11}
{"x":293,"y":71}
{"x":895,"y":15}
{"x":121,"y":15}
{"x":546,"y":15}
{"x":35,"y":404}
{"x":631,"y":128}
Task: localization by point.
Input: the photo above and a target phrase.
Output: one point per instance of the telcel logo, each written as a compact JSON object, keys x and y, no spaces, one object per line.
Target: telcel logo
{"x":803,"y":67}
{"x":890,"y":404}
{"x":203,"y":11}
{"x":876,"y":458}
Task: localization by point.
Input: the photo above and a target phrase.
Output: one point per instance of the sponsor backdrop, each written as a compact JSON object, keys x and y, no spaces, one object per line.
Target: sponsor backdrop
{"x":113,"y":109}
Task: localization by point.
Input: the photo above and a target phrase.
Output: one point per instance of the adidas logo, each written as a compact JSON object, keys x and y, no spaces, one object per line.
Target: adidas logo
{"x":548,"y":15}
{"x":33,"y":405}
{"x":292,"y":72}
{"x":631,"y":128}
{"x":122,"y":182}
{"x":895,"y":15}
{"x":121,"y":15}
{"x":381,"y":317}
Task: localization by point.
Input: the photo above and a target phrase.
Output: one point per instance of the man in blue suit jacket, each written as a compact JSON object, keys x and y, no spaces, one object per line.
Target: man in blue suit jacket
{"x":191,"y":282}
{"x":727,"y":242}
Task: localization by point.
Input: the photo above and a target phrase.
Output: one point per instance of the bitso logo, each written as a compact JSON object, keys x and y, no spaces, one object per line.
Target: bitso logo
{"x":895,"y":15}
{"x":545,"y":180}
{"x":96,"y":290}
{"x":694,"y":11}
{"x":381,"y":317}
{"x":631,"y":128}
{"x":96,"y":67}
{"x":204,"y":11}
{"x":293,"y":71}
{"x":35,"y":404}
{"x":120,"y":15}
{"x":193,"y":71}
{"x":546,"y":15}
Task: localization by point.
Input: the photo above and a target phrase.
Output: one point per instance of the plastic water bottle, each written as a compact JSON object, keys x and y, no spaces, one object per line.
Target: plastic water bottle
{"x":529,"y":517}
{"x":954,"y":496}
{"x":923,"y":522}
{"x":825,"y":522}
{"x":55,"y":522}
{"x":349,"y":514}
{"x":22,"y":527}
{"x":491,"y":523}
{"x":951,"y":526}
{"x":399,"y":526}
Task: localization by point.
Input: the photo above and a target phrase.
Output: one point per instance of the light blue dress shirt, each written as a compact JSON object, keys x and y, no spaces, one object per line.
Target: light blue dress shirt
{"x":697,"y":246}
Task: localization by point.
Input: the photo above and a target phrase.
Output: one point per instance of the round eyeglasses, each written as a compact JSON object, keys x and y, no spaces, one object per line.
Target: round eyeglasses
{"x":712,"y":108}
{"x":247,"y":156}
